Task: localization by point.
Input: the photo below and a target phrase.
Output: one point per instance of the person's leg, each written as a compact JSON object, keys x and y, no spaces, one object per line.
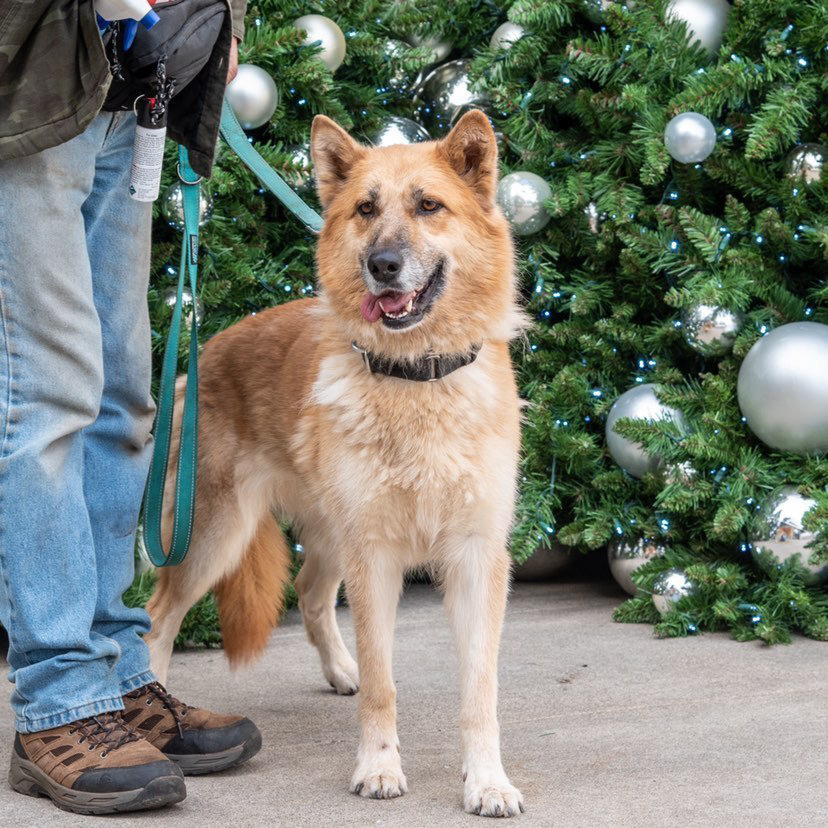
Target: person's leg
{"x":117,"y":446}
{"x":51,"y":382}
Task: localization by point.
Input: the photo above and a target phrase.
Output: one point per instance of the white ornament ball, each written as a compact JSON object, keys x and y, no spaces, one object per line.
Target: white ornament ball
{"x":506,"y":35}
{"x":780,"y":534}
{"x":398,"y":130}
{"x":669,"y":588}
{"x":706,"y":21}
{"x":172,"y":206}
{"x":521,"y":196}
{"x":639,"y":403}
{"x":253,"y":96}
{"x":689,"y":137}
{"x":625,"y":556}
{"x":547,"y":561}
{"x":806,"y":163}
{"x":323,"y":30}
{"x":783,"y":388}
{"x":711,"y":331}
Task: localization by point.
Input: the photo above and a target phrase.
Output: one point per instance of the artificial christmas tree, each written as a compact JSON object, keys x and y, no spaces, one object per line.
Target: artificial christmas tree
{"x":649,"y":270}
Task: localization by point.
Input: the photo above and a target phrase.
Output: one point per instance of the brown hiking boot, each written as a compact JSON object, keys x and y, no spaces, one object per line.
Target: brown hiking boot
{"x":197,"y":740}
{"x":94,"y":766}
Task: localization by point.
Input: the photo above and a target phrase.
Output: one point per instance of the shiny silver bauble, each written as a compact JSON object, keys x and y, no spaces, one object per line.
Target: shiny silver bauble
{"x":625,"y":556}
{"x":639,"y":403}
{"x":690,"y":137}
{"x":398,"y":130}
{"x":669,"y":587}
{"x":322,"y":30}
{"x":398,"y":79}
{"x":779,"y":534}
{"x":706,"y":21}
{"x":253,"y":96}
{"x":440,"y":48}
{"x":172,"y":206}
{"x":443,"y":90}
{"x":521,"y":196}
{"x":595,"y":218}
{"x":711,"y":331}
{"x":506,"y":35}
{"x":301,"y":177}
{"x":805,"y":163}
{"x":187,"y":305}
{"x":783,"y":388}
{"x":547,"y":561}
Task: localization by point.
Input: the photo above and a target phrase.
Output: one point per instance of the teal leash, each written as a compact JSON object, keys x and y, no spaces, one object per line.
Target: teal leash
{"x":185,"y":484}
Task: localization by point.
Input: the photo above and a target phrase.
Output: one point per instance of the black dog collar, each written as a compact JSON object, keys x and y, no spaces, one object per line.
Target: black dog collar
{"x":428,"y":368}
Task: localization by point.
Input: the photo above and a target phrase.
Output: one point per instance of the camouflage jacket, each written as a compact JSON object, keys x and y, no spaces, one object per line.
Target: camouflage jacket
{"x":54,"y":76}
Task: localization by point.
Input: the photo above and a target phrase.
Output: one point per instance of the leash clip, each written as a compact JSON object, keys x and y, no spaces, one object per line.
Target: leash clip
{"x":364,"y":353}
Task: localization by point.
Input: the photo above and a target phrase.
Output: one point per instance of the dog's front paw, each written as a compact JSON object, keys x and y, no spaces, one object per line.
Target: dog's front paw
{"x":379,"y":779}
{"x":493,"y":798}
{"x":342,"y":674}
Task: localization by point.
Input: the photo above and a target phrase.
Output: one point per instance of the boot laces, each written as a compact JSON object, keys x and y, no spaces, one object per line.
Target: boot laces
{"x":107,"y":730}
{"x":176,"y":707}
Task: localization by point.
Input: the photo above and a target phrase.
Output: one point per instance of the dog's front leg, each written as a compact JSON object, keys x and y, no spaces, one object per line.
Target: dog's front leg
{"x":373,"y":582}
{"x":476,"y":580}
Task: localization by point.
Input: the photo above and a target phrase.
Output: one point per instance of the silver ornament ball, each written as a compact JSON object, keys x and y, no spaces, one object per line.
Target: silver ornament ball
{"x":440,"y":48}
{"x":626,"y":556}
{"x":706,"y":21}
{"x":779,"y":534}
{"x":506,"y":35}
{"x":443,"y":90}
{"x":783,"y":388}
{"x":322,"y":30}
{"x":806,"y":163}
{"x":639,"y":403}
{"x":547,"y":561}
{"x":521,"y":196}
{"x":669,"y":587}
{"x":711,"y":331}
{"x":187,"y":305}
{"x":399,"y":79}
{"x":690,"y":137}
{"x":594,"y":218}
{"x":172,"y":206}
{"x":681,"y":473}
{"x":301,"y":177}
{"x":398,"y":130}
{"x":253,"y":96}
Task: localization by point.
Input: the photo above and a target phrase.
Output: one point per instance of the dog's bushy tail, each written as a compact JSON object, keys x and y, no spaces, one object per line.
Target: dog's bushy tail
{"x":250,"y":599}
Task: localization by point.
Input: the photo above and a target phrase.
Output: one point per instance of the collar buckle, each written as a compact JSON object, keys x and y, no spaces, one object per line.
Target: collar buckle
{"x":434,"y":360}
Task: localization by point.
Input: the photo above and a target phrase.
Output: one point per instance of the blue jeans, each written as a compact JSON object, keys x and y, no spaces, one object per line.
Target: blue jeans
{"x":75,"y":421}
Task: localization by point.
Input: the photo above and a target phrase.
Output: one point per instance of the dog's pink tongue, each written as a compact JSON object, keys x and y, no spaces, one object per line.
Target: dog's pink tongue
{"x":391,"y":303}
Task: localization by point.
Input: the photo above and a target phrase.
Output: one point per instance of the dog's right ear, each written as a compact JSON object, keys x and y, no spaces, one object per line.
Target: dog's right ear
{"x":333,"y":152}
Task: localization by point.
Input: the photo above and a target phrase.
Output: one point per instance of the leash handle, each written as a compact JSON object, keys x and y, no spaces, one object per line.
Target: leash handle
{"x":232,"y":132}
{"x":185,"y":483}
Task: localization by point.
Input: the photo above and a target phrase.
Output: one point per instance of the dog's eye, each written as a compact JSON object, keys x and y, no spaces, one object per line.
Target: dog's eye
{"x":366,"y":208}
{"x":429,"y":205}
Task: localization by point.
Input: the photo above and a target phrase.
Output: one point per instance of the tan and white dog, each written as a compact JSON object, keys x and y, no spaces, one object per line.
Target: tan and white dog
{"x":321,"y":412}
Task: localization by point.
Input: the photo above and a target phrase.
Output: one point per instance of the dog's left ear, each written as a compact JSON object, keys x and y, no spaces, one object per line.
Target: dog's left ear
{"x":333,"y":152}
{"x":471,"y":150}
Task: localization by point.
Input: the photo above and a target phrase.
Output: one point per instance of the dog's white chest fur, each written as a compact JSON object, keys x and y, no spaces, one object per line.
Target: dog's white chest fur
{"x":407,"y":452}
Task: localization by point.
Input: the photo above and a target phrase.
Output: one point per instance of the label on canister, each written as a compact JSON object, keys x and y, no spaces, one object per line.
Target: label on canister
{"x":147,"y":161}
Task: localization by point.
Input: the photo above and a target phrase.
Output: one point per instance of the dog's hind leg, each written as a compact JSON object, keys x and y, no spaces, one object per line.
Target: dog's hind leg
{"x":317,"y":585}
{"x":225,"y":527}
{"x":475,"y":578}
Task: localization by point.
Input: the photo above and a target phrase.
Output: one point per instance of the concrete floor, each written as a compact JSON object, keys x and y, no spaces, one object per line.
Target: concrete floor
{"x":603,"y":725}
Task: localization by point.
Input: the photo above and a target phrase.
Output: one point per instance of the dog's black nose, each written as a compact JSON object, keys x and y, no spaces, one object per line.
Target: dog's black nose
{"x":385,"y":265}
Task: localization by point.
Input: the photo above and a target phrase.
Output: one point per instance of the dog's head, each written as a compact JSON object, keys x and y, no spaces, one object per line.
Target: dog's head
{"x":414,"y":255}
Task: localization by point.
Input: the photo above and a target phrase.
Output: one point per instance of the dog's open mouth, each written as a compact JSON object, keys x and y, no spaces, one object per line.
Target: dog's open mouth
{"x":401,"y":310}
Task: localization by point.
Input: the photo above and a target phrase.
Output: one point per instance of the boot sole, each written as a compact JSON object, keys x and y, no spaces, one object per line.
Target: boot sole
{"x":27,"y":778}
{"x":196,"y":764}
